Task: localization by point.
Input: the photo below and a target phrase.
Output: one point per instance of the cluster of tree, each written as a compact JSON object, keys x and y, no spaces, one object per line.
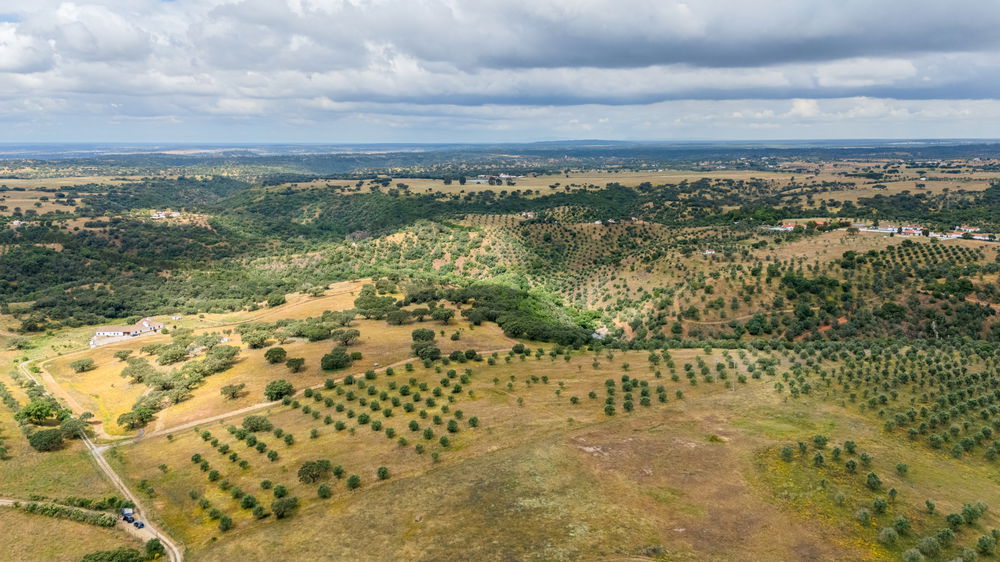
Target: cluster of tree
{"x":424,"y":346}
{"x":520,"y":313}
{"x":73,"y":514}
{"x":159,"y":193}
{"x":175,"y":386}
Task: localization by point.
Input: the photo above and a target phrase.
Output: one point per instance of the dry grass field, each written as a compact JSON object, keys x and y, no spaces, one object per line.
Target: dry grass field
{"x":26,"y":472}
{"x":538,"y":462}
{"x":782,"y":176}
{"x":39,"y":201}
{"x":552,"y":183}
{"x":58,"y":182}
{"x":542,"y":478}
{"x":35,"y":537}
{"x":107,"y":395}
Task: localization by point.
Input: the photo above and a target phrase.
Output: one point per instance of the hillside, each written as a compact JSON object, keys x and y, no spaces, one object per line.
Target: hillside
{"x":788,"y":358}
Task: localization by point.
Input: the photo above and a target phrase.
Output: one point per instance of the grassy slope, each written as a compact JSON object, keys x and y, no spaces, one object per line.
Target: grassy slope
{"x":547,"y":480}
{"x":104,"y":392}
{"x":36,"y":537}
{"x":698,"y":478}
{"x":68,"y":472}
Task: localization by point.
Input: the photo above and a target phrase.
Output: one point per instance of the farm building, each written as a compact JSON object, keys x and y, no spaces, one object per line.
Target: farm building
{"x":146,"y":325}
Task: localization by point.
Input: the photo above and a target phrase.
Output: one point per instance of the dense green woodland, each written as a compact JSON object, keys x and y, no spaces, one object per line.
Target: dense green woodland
{"x":120,"y":265}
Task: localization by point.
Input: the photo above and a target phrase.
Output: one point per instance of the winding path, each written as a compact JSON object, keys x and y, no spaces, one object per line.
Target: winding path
{"x":174,"y":552}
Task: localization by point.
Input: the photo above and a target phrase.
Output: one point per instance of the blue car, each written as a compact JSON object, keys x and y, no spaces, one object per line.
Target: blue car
{"x":139,"y":524}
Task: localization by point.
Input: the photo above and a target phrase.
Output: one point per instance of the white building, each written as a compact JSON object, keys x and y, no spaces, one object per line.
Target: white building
{"x":144,"y":326}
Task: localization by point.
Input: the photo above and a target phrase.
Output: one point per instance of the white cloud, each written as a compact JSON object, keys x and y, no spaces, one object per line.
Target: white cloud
{"x":93,"y":32}
{"x":20,"y":52}
{"x":804,"y":108}
{"x":864,"y":72}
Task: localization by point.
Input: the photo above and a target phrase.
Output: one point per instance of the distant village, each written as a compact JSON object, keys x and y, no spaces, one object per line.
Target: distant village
{"x":907,"y":230}
{"x":157,"y":215}
{"x":500,"y":179}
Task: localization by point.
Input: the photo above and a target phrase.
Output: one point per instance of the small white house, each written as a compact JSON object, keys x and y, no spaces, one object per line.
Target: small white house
{"x":144,"y":326}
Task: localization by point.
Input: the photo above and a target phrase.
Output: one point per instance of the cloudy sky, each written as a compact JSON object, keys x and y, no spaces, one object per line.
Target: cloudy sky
{"x":497,"y":70}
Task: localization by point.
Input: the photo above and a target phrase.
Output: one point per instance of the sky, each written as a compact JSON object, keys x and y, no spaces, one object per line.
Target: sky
{"x":496,"y":70}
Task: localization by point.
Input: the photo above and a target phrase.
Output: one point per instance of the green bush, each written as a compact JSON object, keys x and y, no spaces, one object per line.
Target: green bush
{"x":46,"y":440}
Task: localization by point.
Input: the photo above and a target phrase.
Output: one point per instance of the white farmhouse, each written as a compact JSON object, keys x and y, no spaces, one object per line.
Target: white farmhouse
{"x":144,"y":326}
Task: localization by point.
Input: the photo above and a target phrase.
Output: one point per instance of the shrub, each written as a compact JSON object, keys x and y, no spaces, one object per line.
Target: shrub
{"x":422,"y":334}
{"x":64,"y":512}
{"x":46,"y":440}
{"x":873,"y":482}
{"x":954,"y":520}
{"x":986,"y":545}
{"x":338,"y":358}
{"x":232,"y":391}
{"x":275,"y":355}
{"x":879,"y":505}
{"x":929,"y":546}
{"x":284,"y":507}
{"x":888,"y":536}
{"x":312,"y":471}
{"x":787,"y":453}
{"x":120,"y":554}
{"x":257,"y":423}
{"x":276,"y":390}
{"x":82,"y":365}
{"x":945,"y":536}
{"x":155,"y":549}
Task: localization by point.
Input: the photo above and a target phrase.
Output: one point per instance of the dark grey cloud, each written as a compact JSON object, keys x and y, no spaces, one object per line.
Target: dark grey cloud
{"x":704,"y":33}
{"x":460,"y":65}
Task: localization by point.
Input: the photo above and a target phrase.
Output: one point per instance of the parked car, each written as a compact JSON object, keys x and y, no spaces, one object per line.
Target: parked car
{"x":139,"y":524}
